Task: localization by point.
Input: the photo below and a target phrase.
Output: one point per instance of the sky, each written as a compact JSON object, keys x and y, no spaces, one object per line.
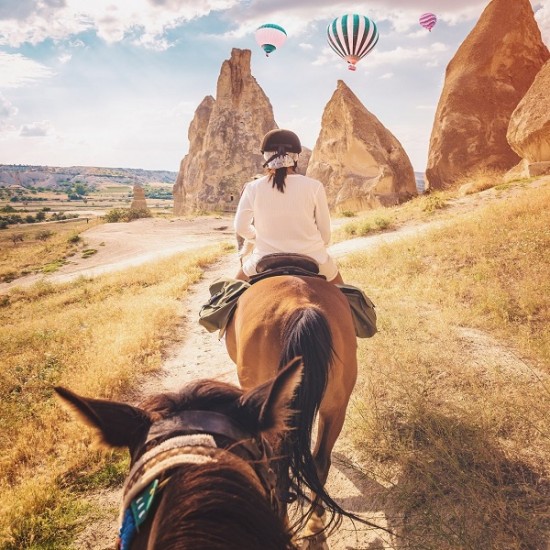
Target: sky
{"x":115,"y":83}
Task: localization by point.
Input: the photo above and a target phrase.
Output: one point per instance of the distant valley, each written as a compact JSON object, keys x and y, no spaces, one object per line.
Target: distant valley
{"x":52,"y":177}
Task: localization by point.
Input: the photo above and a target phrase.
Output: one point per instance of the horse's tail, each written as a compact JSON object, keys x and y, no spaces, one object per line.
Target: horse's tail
{"x":307,"y":334}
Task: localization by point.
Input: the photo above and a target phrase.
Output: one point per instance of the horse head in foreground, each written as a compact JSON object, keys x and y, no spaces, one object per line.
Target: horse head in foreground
{"x":202,"y":472}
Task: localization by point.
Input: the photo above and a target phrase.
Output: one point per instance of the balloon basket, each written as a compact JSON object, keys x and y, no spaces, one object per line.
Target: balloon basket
{"x":352,"y":67}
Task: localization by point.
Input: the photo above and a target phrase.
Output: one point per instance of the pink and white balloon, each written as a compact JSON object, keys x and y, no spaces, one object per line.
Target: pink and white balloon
{"x":428,"y":20}
{"x":270,"y":37}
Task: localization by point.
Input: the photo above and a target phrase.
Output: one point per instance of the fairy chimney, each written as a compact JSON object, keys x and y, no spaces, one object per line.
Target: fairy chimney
{"x":484,"y":82}
{"x":360,"y":162}
{"x":138,"y":202}
{"x":224,"y":139}
{"x":529,"y":129}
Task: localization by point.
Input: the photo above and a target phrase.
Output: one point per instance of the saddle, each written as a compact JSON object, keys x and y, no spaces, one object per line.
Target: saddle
{"x":286,"y":263}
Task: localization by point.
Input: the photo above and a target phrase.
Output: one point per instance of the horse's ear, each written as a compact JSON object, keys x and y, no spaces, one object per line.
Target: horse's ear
{"x":116,"y":424}
{"x":270,"y":402}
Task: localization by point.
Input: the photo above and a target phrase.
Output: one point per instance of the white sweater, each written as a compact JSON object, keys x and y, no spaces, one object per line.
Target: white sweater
{"x":297,"y":220}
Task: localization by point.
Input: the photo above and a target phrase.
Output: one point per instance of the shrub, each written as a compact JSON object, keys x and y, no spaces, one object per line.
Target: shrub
{"x":44,"y":235}
{"x":89,"y":252}
{"x":382,"y":223}
{"x":433,"y":202}
{"x":17,"y":238}
{"x":126,"y":215}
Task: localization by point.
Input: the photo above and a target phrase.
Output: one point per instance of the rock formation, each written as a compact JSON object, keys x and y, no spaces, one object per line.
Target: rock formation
{"x":224,"y":140}
{"x":484,"y":82}
{"x":529,"y":129}
{"x":361,"y":164}
{"x":138,"y":202}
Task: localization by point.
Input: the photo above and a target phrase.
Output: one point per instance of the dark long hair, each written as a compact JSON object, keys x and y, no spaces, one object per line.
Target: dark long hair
{"x":279,"y":177}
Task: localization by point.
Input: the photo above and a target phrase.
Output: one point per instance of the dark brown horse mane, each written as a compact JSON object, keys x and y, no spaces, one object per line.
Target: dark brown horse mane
{"x":216,"y":506}
{"x":203,"y":395}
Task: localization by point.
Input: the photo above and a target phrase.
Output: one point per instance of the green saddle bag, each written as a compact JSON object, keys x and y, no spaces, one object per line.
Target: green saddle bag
{"x":217,"y":312}
{"x":362,"y":310}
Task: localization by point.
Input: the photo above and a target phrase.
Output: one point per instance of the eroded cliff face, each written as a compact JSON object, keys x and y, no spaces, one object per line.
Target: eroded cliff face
{"x":529,"y":128}
{"x":484,"y":82}
{"x":360,"y":162}
{"x":224,"y":140}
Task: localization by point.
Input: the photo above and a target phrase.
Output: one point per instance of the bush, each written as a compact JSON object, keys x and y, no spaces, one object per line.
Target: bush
{"x":89,"y":252}
{"x":44,"y":235}
{"x":126,"y":215}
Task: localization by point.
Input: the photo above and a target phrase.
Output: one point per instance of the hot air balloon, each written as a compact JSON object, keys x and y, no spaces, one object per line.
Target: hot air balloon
{"x":352,"y":37}
{"x":428,"y":20}
{"x":270,"y":37}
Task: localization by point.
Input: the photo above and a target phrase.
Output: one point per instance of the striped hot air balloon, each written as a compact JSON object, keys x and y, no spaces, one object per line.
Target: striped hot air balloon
{"x":352,"y":37}
{"x":428,"y":20}
{"x":270,"y":37}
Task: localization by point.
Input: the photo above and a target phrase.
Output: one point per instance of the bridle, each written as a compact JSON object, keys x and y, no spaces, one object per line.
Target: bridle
{"x":189,"y":437}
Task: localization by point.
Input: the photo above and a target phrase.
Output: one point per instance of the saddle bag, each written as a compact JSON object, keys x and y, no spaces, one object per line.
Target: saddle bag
{"x":217,"y":312}
{"x":362,"y":311}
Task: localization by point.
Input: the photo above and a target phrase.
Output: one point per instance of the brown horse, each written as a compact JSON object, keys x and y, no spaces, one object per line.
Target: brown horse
{"x":201,"y":465}
{"x":283,"y":317}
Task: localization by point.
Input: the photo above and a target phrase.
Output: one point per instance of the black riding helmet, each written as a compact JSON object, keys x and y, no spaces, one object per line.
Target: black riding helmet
{"x":281,"y":141}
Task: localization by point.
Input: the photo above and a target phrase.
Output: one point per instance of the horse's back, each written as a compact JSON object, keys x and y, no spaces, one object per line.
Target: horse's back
{"x":254,"y":335}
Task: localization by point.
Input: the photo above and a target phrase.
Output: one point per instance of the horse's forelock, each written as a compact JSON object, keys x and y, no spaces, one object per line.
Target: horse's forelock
{"x":201,"y":395}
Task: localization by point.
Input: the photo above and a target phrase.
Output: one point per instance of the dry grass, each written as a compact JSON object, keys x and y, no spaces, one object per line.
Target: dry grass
{"x":96,"y":336}
{"x":478,"y":180}
{"x":452,"y":411}
{"x":31,"y":254}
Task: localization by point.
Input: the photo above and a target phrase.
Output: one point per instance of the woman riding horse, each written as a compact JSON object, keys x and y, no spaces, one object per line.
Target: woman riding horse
{"x":284,"y":211}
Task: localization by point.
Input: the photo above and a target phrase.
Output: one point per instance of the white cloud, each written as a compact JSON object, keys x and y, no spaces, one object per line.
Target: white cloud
{"x":7,"y":111}
{"x":16,"y":70}
{"x":542,"y":15}
{"x":37,"y":129}
{"x":65,"y":58}
{"x":386,"y":76}
{"x":431,"y":56}
{"x":112,"y":21}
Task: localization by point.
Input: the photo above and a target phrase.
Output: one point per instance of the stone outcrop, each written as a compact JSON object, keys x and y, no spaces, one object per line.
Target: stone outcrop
{"x":529,"y":128}
{"x":484,"y":82}
{"x":360,"y":162}
{"x":224,"y":140}
{"x":138,"y":202}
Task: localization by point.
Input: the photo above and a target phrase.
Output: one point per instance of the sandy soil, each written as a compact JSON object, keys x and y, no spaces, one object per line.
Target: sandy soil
{"x":200,"y":354}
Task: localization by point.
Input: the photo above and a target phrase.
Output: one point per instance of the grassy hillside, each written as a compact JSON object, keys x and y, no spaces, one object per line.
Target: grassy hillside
{"x":451,"y":413}
{"x":452,"y":410}
{"x":98,"y":336}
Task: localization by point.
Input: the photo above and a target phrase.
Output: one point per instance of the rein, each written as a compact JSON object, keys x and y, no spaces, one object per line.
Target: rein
{"x":188,"y":437}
